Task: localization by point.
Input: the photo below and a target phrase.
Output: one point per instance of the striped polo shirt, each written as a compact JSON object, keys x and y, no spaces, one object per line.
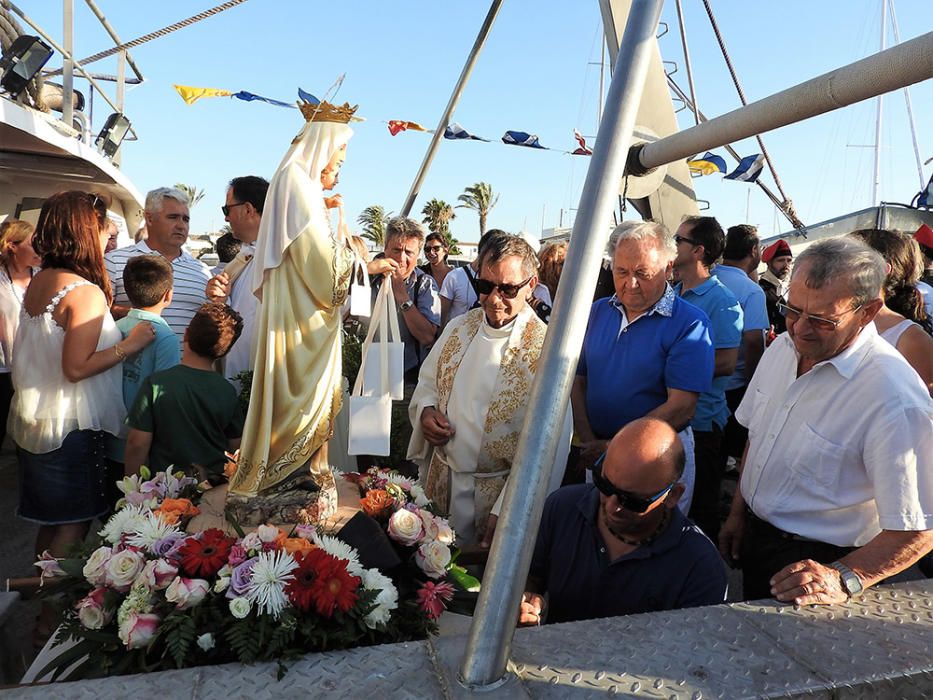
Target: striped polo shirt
{"x":190,"y":279}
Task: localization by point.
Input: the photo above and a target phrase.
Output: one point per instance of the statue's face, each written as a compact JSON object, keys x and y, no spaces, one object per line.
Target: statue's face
{"x":330,"y":175}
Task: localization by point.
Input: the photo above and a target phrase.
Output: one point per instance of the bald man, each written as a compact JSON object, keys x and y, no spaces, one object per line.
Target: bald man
{"x":620,"y":545}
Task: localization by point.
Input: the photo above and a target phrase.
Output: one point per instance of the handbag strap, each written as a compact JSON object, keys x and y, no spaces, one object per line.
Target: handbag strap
{"x":393,"y":329}
{"x":376,"y":320}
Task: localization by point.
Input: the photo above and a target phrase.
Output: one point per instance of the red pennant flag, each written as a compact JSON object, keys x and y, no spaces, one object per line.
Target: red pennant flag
{"x":397,"y":125}
{"x":582,"y":150}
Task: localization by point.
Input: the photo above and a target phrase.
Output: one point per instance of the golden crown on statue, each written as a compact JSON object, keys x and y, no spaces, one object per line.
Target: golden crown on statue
{"x":326,"y":112}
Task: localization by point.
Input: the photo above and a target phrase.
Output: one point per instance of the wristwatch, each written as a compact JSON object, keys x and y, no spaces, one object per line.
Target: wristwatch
{"x":406,"y":305}
{"x":851,"y":583}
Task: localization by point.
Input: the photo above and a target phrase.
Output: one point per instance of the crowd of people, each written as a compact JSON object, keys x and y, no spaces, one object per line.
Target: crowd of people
{"x":813,"y":381}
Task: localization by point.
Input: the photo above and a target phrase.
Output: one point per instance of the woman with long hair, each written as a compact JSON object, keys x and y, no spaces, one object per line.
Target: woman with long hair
{"x":69,"y":394}
{"x":18,"y":263}
{"x":903,"y":321}
{"x":551,"y":258}
{"x":435,"y":250}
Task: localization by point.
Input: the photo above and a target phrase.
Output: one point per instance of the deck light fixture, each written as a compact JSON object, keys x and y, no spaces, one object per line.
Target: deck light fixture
{"x":20,"y":63}
{"x":111,"y":136}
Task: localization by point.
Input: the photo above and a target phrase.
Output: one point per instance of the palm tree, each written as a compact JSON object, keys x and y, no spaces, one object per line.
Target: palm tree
{"x":481,"y":199}
{"x":437,"y":215}
{"x":194,"y":194}
{"x":373,"y":219}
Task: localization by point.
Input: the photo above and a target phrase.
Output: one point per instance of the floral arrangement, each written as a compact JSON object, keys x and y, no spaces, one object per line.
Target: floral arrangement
{"x":145,"y":595}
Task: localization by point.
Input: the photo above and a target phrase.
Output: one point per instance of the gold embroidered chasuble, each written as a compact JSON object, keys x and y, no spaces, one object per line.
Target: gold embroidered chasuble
{"x":504,"y":416}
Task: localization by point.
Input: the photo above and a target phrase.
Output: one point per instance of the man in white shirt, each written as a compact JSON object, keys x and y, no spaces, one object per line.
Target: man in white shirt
{"x":472,"y":394}
{"x":167,"y":224}
{"x":836,"y":492}
{"x":243,"y":211}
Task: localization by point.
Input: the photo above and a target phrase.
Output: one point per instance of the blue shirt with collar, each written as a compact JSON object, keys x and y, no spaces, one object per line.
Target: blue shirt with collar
{"x":681,"y":568}
{"x":629,"y":366}
{"x":725,"y":316}
{"x":754,"y":313}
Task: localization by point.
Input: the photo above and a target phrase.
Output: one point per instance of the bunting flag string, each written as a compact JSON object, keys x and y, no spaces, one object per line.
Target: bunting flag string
{"x":456,"y":132}
{"x":748,"y":169}
{"x":192,"y":94}
{"x":522,"y":138}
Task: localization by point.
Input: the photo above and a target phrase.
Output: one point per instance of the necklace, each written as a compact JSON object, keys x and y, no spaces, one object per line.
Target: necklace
{"x":645,"y":540}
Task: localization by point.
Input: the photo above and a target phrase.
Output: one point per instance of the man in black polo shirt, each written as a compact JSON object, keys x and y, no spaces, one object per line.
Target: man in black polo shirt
{"x":620,"y":545}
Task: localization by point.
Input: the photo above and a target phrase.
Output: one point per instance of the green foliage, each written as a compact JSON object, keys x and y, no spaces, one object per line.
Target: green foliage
{"x":180,"y":631}
{"x":245,"y":378}
{"x":437,"y":215}
{"x":481,"y":199}
{"x":243,"y":637}
{"x":195,"y":195}
{"x":373,"y":220}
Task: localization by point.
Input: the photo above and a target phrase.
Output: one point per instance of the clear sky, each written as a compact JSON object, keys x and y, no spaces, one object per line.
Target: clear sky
{"x":536,"y":74}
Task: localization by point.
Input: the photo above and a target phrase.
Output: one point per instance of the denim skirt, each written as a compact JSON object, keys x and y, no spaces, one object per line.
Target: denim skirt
{"x":67,"y":485}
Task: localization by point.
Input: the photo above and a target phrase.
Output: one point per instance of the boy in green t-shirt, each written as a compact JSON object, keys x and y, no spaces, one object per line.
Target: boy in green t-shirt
{"x":187,"y":416}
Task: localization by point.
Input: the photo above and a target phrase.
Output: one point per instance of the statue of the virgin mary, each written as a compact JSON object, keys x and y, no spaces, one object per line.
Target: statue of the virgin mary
{"x":301,"y":274}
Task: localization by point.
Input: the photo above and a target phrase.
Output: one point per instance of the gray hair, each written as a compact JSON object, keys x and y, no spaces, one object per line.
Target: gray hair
{"x":643,"y":231}
{"x":405,"y":228}
{"x":828,"y":260}
{"x":157,"y":197}
{"x":505,"y":246}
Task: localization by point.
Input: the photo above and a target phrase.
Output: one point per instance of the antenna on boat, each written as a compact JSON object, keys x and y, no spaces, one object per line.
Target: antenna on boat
{"x":879,"y":113}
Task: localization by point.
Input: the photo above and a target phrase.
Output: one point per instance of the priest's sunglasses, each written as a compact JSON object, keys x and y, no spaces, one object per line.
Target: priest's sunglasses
{"x":627,"y":499}
{"x":227,"y":207}
{"x":509,"y":291}
{"x":824,"y":324}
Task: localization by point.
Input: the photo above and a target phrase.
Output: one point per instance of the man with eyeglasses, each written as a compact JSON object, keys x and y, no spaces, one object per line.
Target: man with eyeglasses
{"x":836,"y":490}
{"x":167,"y":220}
{"x":472,"y":395}
{"x":621,"y":545}
{"x":243,"y":211}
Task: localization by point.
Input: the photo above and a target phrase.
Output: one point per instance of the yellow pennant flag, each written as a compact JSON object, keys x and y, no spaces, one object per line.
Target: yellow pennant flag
{"x":192,"y":94}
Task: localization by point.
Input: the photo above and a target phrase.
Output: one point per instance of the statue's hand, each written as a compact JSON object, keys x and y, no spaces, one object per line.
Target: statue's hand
{"x":333,"y":202}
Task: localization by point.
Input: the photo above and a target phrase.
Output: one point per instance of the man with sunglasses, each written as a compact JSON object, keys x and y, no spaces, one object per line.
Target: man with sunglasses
{"x":836,"y":490}
{"x":621,"y":545}
{"x":469,"y":406}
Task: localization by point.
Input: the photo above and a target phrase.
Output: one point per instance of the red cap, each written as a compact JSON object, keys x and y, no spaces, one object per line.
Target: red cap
{"x":776,"y":250}
{"x":924,"y":236}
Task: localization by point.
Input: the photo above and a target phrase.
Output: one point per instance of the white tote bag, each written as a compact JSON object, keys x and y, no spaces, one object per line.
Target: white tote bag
{"x":360,"y":292}
{"x":371,"y":416}
{"x":384,"y":321}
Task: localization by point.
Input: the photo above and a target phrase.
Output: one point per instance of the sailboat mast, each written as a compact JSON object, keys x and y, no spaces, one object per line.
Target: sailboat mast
{"x":878,"y":115}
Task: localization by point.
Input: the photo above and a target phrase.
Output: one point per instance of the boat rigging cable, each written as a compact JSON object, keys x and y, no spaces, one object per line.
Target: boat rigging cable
{"x":158,"y":33}
{"x":787,"y":205}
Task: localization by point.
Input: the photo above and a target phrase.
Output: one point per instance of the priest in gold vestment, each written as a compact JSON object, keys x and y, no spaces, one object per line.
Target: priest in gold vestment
{"x":301,"y":275}
{"x":472,"y":395}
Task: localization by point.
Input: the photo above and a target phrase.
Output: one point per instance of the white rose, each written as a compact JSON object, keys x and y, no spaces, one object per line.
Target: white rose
{"x":267,"y":533}
{"x":186,"y":592}
{"x":405,"y":527}
{"x":240,"y":607}
{"x":91,"y":614}
{"x":445,"y":533}
{"x":418,"y":494}
{"x":206,"y":641}
{"x":123,"y":568}
{"x":251,"y":541}
{"x":433,"y":558}
{"x":95,"y":570}
{"x":146,"y":576}
{"x":430,"y":526}
{"x":386,"y":599}
{"x":222,"y":584}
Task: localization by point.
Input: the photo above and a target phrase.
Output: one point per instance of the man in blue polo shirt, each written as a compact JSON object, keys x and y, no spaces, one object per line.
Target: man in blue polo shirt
{"x":620,"y":545}
{"x":740,"y":258}
{"x":700,"y":241}
{"x":646,"y":351}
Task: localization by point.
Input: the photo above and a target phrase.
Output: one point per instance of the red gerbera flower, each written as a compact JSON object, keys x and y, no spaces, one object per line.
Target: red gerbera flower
{"x":335,"y":588}
{"x":205,"y":555}
{"x":300,"y":589}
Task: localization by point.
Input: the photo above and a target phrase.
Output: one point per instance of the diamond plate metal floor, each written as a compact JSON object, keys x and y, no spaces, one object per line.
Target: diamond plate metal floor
{"x":880,"y":646}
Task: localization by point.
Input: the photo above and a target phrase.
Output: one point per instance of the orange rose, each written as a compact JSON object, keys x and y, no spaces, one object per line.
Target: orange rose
{"x":294,"y":545}
{"x":376,"y":503}
{"x":229,"y":469}
{"x":174,"y":509}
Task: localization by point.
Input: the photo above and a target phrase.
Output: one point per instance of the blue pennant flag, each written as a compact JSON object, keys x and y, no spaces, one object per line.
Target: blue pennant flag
{"x":707,"y":165}
{"x":455,"y":131}
{"x":748,"y":169}
{"x":925,"y":198}
{"x":521,"y":138}
{"x":308,"y":97}
{"x":250,"y":97}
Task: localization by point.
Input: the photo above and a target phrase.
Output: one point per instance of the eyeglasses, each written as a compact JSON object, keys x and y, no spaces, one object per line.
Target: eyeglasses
{"x":227,"y":207}
{"x":509,"y":291}
{"x":433,"y":248}
{"x":825,"y":324}
{"x":682,"y":239}
{"x":628,"y":500}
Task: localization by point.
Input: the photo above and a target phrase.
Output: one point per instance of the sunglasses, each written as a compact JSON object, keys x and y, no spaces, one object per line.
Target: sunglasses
{"x":433,"y":248}
{"x":509,"y":291}
{"x":683,"y":239}
{"x":628,"y":500}
{"x":824,"y":324}
{"x":227,"y":207}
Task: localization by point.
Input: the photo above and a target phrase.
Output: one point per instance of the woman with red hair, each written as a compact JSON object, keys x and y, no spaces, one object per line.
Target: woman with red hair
{"x":69,"y":391}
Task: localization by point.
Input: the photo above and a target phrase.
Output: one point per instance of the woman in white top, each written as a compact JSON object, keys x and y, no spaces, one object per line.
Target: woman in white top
{"x":17,"y":264}
{"x":69,"y":392}
{"x":903,"y":320}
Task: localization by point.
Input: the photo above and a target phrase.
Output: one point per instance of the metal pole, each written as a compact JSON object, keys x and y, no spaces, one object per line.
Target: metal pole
{"x":68,"y":65}
{"x":113,"y":35}
{"x":910,"y":107}
{"x":683,"y":38}
{"x":878,"y":114}
{"x":451,"y":105}
{"x":892,"y":69}
{"x":121,"y":93}
{"x":490,"y":637}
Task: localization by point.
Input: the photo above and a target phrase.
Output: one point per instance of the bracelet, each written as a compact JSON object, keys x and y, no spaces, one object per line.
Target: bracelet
{"x":119,"y":352}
